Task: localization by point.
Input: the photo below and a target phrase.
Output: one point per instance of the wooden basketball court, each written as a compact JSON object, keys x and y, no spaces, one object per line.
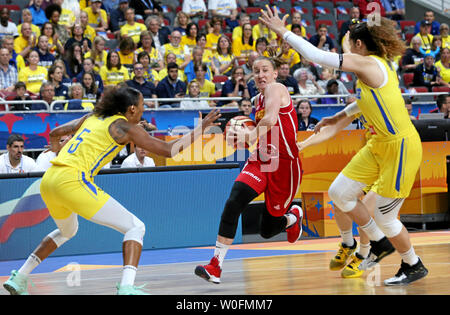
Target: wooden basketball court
{"x":274,"y":268}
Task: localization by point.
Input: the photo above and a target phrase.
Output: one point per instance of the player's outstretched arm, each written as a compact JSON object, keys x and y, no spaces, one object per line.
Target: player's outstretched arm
{"x":366,"y":68}
{"x":337,"y":119}
{"x":123,"y":132}
{"x":325,"y":133}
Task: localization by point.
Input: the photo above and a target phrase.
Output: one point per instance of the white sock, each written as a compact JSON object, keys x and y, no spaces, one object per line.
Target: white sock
{"x":372,"y":230}
{"x":32,"y":262}
{"x":410,"y":257}
{"x":291,"y":219}
{"x":220,"y":251}
{"x":347,"y":237}
{"x":128,"y":275}
{"x":364,"y":249}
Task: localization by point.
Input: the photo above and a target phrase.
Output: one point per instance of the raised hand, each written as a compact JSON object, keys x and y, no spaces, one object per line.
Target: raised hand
{"x":210,"y":119}
{"x":272,"y":21}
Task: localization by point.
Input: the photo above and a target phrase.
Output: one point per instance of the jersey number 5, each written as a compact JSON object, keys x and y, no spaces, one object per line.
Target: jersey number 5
{"x":74,"y":146}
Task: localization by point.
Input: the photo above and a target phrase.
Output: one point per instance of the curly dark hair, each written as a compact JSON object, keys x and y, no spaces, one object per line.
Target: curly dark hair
{"x":381,"y":40}
{"x":116,"y":100}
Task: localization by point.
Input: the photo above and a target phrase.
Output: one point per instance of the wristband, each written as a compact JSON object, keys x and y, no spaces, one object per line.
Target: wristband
{"x":351,"y":109}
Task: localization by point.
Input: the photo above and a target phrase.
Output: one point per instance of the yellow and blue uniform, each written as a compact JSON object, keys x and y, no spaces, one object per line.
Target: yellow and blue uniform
{"x":100,"y":59}
{"x":188,"y":42}
{"x":68,"y":185}
{"x":114,"y":75}
{"x":33,"y":79}
{"x":443,"y":72}
{"x":240,"y":49}
{"x":179,"y":52}
{"x":393,"y":154}
{"x":292,"y":57}
{"x":134,"y":31}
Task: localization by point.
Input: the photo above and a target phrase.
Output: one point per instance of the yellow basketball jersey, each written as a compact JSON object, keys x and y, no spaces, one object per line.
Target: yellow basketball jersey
{"x":178,"y":51}
{"x":384,"y":108}
{"x":91,"y":148}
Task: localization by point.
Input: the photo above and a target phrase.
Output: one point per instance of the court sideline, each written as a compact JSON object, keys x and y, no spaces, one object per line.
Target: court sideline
{"x":277,"y":268}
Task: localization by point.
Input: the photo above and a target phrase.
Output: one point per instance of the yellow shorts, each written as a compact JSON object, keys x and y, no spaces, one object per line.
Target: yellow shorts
{"x":66,"y":190}
{"x":390,"y":165}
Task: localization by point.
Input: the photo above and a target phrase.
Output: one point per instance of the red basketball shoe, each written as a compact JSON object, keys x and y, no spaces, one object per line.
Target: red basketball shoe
{"x":210,"y":272}
{"x":294,"y":232}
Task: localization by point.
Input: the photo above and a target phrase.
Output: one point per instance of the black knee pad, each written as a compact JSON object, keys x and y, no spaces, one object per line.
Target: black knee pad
{"x":241,"y":195}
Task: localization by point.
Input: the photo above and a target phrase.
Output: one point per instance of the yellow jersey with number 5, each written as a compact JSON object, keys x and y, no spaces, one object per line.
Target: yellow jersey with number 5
{"x":92,"y":147}
{"x":384,"y":107}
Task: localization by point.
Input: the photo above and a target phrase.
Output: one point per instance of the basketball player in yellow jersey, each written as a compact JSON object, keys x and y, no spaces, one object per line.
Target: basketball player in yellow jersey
{"x":392,"y":156}
{"x":68,"y":188}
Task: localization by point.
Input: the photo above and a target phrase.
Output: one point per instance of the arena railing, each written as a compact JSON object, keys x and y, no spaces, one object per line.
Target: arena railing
{"x":425,"y":97}
{"x":7,"y":103}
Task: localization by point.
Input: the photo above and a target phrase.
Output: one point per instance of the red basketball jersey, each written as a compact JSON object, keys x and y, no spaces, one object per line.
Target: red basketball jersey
{"x":281,"y":140}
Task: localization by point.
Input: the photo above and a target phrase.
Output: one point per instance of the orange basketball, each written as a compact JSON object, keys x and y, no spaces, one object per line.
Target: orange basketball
{"x":240,"y":122}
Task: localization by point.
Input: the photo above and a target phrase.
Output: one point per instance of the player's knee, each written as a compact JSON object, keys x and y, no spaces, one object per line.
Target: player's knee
{"x":232,"y":211}
{"x":391,"y":227}
{"x":62,"y":235}
{"x":136,"y":232}
{"x":70,"y":231}
{"x":344,"y":199}
{"x":386,"y":215}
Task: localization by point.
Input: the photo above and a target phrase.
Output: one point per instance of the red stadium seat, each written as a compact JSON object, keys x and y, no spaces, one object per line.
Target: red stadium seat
{"x":408,"y":78}
{"x":299,"y":9}
{"x":11,"y":7}
{"x":217,"y":94}
{"x":339,"y":23}
{"x":420,"y":89}
{"x":317,"y":12}
{"x":202,"y":23}
{"x":327,"y":22}
{"x":404,"y":24}
{"x":441,"y":89}
{"x":219,"y":79}
{"x":408,"y":37}
{"x":315,"y":1}
{"x":250,"y":10}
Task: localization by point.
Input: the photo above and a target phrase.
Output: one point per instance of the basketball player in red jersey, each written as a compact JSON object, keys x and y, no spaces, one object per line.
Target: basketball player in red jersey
{"x":273,"y":169}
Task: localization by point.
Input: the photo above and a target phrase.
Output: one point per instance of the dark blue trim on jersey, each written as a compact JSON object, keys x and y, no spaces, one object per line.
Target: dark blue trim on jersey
{"x":88,"y":184}
{"x":386,"y":120}
{"x":102,"y":158}
{"x":400,"y":167}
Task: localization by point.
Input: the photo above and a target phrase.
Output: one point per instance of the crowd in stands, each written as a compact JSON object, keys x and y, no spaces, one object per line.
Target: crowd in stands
{"x":71,"y":50}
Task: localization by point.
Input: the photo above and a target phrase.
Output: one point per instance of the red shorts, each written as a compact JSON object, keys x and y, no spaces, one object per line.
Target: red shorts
{"x":279,"y":183}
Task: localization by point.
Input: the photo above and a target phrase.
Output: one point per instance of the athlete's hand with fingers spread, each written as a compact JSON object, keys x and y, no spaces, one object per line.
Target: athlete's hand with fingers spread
{"x":210,"y":119}
{"x":272,"y":21}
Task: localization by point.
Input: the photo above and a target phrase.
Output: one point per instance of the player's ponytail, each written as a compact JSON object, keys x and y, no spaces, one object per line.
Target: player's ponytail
{"x":274,"y":58}
{"x":116,"y":100}
{"x":380,"y":39}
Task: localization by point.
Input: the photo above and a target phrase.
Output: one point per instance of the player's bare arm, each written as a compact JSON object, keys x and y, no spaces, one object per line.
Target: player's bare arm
{"x":325,"y":133}
{"x":339,"y":119}
{"x":125,"y":132}
{"x":68,"y":128}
